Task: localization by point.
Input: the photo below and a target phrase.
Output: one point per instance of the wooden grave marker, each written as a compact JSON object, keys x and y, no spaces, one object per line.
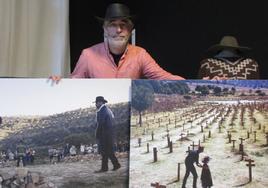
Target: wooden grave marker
{"x":250,"y":165}
{"x":179,"y":169}
{"x":170,"y":147}
{"x":139,"y":142}
{"x":233,"y":148}
{"x":155,"y":154}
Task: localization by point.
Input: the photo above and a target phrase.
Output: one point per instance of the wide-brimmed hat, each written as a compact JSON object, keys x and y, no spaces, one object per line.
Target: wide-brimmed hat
{"x":201,"y":148}
{"x":228,"y":42}
{"x":116,"y":11}
{"x":206,"y":159}
{"x":100,"y":99}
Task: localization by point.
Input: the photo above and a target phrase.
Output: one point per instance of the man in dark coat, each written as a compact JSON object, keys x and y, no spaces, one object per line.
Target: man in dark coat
{"x":192,"y":157}
{"x":105,"y":134}
{"x":21,"y":153}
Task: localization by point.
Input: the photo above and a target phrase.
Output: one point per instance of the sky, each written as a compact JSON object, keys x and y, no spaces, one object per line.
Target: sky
{"x":30,"y":97}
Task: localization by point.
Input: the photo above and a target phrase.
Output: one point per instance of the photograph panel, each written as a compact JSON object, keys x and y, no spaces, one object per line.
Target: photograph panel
{"x":71,"y":134}
{"x":199,"y":133}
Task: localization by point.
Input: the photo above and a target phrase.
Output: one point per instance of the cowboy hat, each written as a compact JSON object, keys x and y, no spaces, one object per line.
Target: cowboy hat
{"x":228,"y":42}
{"x":206,"y":159}
{"x":201,"y":149}
{"x":116,"y":11}
{"x":100,"y":99}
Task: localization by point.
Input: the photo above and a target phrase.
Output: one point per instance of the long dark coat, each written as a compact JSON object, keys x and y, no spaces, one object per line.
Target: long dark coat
{"x":206,"y":178}
{"x":105,"y":130}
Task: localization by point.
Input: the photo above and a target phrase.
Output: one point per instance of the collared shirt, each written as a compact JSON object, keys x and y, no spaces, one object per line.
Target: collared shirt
{"x":135,"y":63}
{"x":98,"y":110}
{"x":109,"y":110}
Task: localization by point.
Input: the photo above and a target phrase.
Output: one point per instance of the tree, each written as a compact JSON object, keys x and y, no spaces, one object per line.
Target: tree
{"x":217,"y":91}
{"x":204,"y":90}
{"x":225,"y":90}
{"x":142,"y":98}
{"x":187,"y":97}
{"x":198,"y":88}
{"x":261,"y":93}
{"x":258,"y":91}
{"x":233,"y":90}
{"x":179,"y":87}
{"x":210,"y":87}
{"x":155,"y":84}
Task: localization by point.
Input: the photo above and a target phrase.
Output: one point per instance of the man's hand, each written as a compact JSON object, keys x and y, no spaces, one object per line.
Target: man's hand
{"x":55,"y":79}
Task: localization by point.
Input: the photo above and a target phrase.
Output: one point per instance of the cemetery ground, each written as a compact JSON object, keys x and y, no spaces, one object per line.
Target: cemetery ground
{"x":76,"y":172}
{"x":233,"y":133}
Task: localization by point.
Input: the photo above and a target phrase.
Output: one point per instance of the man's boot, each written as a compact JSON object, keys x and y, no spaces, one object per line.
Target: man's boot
{"x":117,"y":166}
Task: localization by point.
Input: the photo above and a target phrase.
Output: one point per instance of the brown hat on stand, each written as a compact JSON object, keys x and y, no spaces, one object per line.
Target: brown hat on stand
{"x":228,"y":42}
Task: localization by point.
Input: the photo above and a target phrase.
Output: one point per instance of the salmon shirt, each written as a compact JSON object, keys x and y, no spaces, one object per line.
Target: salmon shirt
{"x":135,"y":63}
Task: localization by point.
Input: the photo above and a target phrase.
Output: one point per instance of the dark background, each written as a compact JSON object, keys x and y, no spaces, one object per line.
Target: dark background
{"x":178,"y":32}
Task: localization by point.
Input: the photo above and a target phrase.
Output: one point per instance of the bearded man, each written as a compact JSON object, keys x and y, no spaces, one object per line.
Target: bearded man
{"x":105,"y":134}
{"x":115,"y":57}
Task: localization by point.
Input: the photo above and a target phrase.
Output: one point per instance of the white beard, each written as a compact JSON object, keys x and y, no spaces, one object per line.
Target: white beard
{"x":118,"y":42}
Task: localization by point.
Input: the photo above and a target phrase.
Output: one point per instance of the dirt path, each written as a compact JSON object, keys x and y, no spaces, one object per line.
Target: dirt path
{"x":81,"y":174}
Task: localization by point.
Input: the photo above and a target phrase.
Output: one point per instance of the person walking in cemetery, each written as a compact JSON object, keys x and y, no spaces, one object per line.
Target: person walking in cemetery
{"x":95,"y":149}
{"x":1,"y":180}
{"x":119,"y":146}
{"x":32,"y":155}
{"x":229,"y":61}
{"x":82,"y":149}
{"x":59,"y":154}
{"x":73,"y":151}
{"x":115,"y":57}
{"x":10,"y":155}
{"x":3,"y":156}
{"x":21,"y":153}
{"x":88,"y":149}
{"x":50,"y":154}
{"x":192,"y":157}
{"x":105,"y":135}
{"x":66,"y":151}
{"x":206,"y":178}
{"x":28,"y":155}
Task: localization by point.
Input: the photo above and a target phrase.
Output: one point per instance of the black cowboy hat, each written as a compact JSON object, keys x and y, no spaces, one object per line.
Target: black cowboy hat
{"x":206,"y":159}
{"x":228,"y":42}
{"x":100,"y":99}
{"x":201,"y":148}
{"x":116,"y":11}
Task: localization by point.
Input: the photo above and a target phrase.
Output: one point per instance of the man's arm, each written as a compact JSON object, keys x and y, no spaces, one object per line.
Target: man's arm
{"x":197,"y":161}
{"x":81,"y":68}
{"x":199,"y":165}
{"x":80,"y":71}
